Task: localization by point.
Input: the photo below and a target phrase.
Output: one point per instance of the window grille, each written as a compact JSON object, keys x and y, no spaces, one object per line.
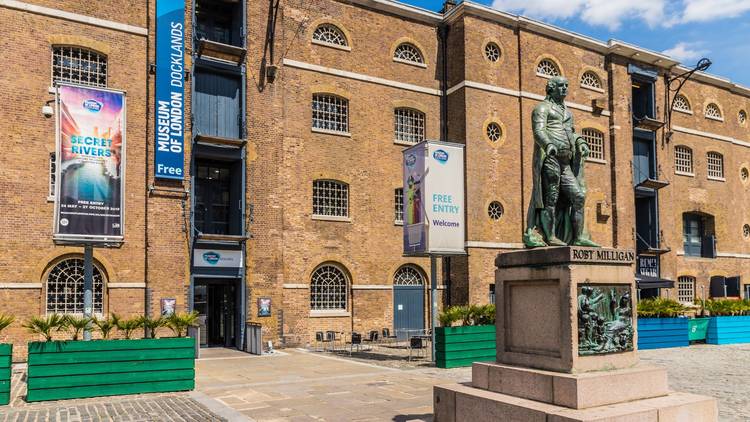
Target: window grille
{"x":408,"y":275}
{"x":595,"y":139}
{"x":65,"y":288}
{"x":495,"y":210}
{"x":79,"y":66}
{"x":742,"y":117}
{"x":547,"y":67}
{"x":330,"y":198}
{"x":494,"y":132}
{"x":330,"y":112}
{"x":408,"y":53}
{"x":328,"y":289}
{"x":713,"y":111}
{"x":683,"y":159}
{"x":591,"y":80}
{"x":52,"y":174}
{"x":492,"y":52}
{"x":399,"y":205}
{"x":686,"y":289}
{"x":409,"y":125}
{"x":330,"y":34}
{"x":715,"y":165}
{"x":681,"y":104}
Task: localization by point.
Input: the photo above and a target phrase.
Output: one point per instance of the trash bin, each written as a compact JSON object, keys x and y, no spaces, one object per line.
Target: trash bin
{"x":698,"y":328}
{"x":253,"y":338}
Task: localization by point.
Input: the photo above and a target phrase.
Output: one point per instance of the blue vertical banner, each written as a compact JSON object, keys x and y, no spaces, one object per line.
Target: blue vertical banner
{"x":169,"y":155}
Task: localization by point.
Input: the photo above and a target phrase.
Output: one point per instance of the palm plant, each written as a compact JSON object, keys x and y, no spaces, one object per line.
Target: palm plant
{"x":5,"y":321}
{"x":127,"y":326}
{"x":179,"y":322}
{"x":152,"y":324}
{"x":106,"y":325}
{"x":47,"y":325}
{"x":727,"y":307}
{"x":660,"y":307}
{"x":77,"y":325}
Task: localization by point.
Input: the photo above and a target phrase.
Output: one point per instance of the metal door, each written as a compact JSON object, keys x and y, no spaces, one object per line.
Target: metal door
{"x":216,"y":104}
{"x":408,"y":310}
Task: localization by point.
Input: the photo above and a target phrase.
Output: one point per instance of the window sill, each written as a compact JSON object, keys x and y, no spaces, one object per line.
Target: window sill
{"x":717,"y":179}
{"x":398,"y":223}
{"x":542,"y":75}
{"x":684,"y":173}
{"x":332,"y":218}
{"x":718,"y":119}
{"x":422,"y":65}
{"x":334,"y":46}
{"x":50,"y":199}
{"x":690,"y":112}
{"x":404,"y":143}
{"x":591,"y":88}
{"x":596,"y":160}
{"x":332,"y":132}
{"x":329,"y":314}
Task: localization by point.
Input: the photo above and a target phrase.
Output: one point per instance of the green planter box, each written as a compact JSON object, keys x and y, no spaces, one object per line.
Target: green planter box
{"x":80,"y":369}
{"x":698,"y":329}
{"x":462,"y":346}
{"x":6,"y":356}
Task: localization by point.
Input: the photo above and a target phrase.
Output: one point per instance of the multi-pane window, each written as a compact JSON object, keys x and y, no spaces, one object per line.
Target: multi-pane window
{"x":681,"y":104}
{"x":591,"y":80}
{"x":65,"y":288}
{"x":686,"y":289}
{"x":328,"y":289}
{"x":330,"y":34}
{"x":494,"y":132}
{"x":492,"y":52}
{"x":330,"y":112}
{"x":713,"y":112}
{"x":408,"y":53}
{"x":715,"y":163}
{"x":683,"y":159}
{"x":409,"y":125}
{"x":547,"y":67}
{"x":52,"y":173}
{"x":79,"y":66}
{"x":495,"y":210}
{"x":595,"y":139}
{"x":398,"y":201}
{"x":330,"y":198}
{"x":742,"y":117}
{"x":408,"y":275}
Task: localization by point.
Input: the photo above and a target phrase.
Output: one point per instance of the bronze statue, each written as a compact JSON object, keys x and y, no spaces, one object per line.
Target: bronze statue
{"x":556,"y":211}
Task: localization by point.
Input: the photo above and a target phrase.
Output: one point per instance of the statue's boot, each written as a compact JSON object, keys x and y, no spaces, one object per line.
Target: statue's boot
{"x":548,"y":226}
{"x":581,"y":238}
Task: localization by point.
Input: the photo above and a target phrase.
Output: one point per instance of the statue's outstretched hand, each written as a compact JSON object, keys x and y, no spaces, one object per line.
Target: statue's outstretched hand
{"x":584,"y":149}
{"x":551,"y":150}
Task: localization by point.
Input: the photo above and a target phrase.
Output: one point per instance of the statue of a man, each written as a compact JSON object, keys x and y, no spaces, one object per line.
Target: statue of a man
{"x":556,"y":211}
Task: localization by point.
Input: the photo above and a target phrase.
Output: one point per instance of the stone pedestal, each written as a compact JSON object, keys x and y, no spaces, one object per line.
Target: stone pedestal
{"x":566,"y":347}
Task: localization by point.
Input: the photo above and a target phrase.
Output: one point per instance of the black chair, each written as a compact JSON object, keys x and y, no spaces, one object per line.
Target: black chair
{"x":319,"y":340}
{"x":418,"y":344}
{"x":387,"y":335}
{"x":356,"y":341}
{"x":372,"y":337}
{"x":331,"y":338}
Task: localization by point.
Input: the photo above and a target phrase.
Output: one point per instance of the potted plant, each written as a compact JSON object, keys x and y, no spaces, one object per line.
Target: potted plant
{"x":6,"y":357}
{"x":661,"y":324}
{"x":467,"y":335}
{"x":729,"y":322}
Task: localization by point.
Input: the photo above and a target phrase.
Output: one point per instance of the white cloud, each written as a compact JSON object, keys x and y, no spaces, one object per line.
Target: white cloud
{"x":546,"y":9}
{"x":686,"y":52}
{"x":708,"y":10}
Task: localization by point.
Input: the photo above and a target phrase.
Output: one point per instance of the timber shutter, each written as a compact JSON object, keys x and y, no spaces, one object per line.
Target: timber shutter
{"x":217,"y":104}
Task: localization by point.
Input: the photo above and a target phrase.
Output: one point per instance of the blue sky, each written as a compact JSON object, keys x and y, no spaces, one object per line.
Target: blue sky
{"x":683,"y":29}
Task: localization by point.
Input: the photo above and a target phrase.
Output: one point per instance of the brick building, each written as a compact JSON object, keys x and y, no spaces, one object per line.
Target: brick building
{"x":299,"y":111}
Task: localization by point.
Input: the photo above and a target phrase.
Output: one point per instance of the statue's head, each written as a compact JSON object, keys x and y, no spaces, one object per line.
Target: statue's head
{"x":557,"y":88}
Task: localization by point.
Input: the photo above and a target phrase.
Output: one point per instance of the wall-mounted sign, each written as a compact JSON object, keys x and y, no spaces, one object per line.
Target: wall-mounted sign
{"x":217,"y":258}
{"x":434,"y":215}
{"x":169,"y":102}
{"x":648,"y":265}
{"x":90,"y":164}
{"x":168,"y":306}
{"x":264,"y":306}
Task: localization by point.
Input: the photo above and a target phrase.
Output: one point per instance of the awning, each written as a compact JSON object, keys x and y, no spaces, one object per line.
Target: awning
{"x":648,"y":282}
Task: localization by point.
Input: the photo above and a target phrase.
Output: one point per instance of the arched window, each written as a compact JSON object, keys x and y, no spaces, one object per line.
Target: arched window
{"x":547,"y":67}
{"x":595,"y":139}
{"x":713,"y":112}
{"x":681,"y":103}
{"x":409,"y":125}
{"x":330,"y":198}
{"x":591,"y":80}
{"x":330,"y":113}
{"x":408,"y":275}
{"x":408,"y":53}
{"x":715,"y":162}
{"x":686,"y":289}
{"x":494,"y":132}
{"x":742,"y":117}
{"x":330,"y":34}
{"x":79,"y":66}
{"x":683,"y":160}
{"x":65,"y":288}
{"x":492,"y":52}
{"x":495,"y":210}
{"x":328,"y":289}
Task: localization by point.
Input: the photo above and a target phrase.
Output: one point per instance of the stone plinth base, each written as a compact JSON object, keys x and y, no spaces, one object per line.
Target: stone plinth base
{"x":459,"y":403}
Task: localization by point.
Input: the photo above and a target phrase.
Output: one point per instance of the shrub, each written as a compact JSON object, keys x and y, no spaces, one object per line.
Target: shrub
{"x":727,"y":307}
{"x":45,"y":326}
{"x":106,"y":325}
{"x":152,"y":324}
{"x":5,"y":321}
{"x":129,"y":325}
{"x":660,"y":308}
{"x":179,"y":322}
{"x":468,"y":315}
{"x":77,"y":325}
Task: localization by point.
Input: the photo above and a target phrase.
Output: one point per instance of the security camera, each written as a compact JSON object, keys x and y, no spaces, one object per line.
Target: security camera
{"x":48,"y":111}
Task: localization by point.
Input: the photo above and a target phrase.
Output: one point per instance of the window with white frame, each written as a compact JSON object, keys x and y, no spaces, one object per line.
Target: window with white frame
{"x":713,"y":112}
{"x":408,"y":275}
{"x":330,"y":34}
{"x":686,"y":289}
{"x":65,"y":288}
{"x":494,"y":132}
{"x":683,"y":159}
{"x":409,"y":125}
{"x":715,"y":162}
{"x":328,"y":289}
{"x":495,"y":210}
{"x":408,"y":53}
{"x":595,"y":140}
{"x":79,"y":66}
{"x":330,"y":113}
{"x":398,"y":200}
{"x":330,"y":198}
{"x":492,"y":52}
{"x":547,"y":67}
{"x":52,"y":174}
{"x":591,"y":80}
{"x":681,"y":104}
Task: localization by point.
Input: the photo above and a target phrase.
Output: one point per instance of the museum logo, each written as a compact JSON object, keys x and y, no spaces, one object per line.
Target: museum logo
{"x":212,"y":258}
{"x":441,"y":156}
{"x":93,"y":106}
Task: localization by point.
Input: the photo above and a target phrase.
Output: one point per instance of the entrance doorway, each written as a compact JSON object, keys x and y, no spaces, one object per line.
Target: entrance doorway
{"x":216,"y":303}
{"x":408,"y":302}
